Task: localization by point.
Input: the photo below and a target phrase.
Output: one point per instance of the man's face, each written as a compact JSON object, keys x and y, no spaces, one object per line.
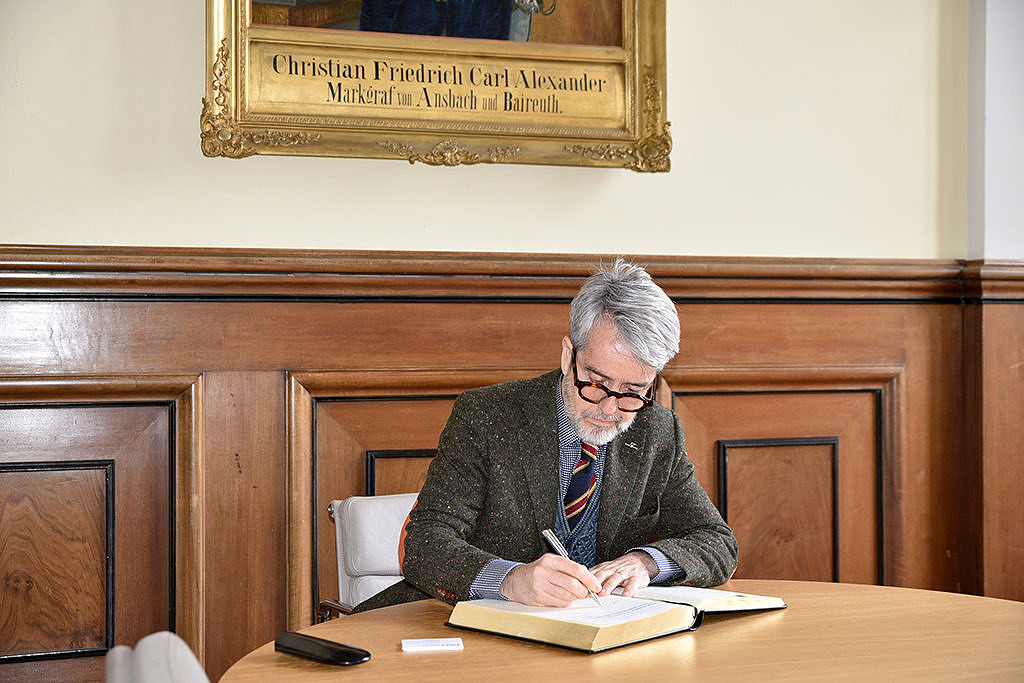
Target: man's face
{"x":608,"y":361}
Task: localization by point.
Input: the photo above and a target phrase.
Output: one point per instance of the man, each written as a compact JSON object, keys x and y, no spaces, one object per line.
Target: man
{"x":584,"y":451}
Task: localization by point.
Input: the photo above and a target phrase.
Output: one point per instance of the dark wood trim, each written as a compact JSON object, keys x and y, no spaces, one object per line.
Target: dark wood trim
{"x":125,"y":272}
{"x":28,"y":258}
{"x":373,"y":456}
{"x":994,"y":281}
{"x":189,"y":528}
{"x":723,"y":479}
{"x":403,"y":382}
{"x":101,"y":389}
{"x":302,"y":528}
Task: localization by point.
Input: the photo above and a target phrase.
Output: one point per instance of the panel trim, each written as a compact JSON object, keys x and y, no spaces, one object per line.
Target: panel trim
{"x":264,"y":274}
{"x":994,"y":281}
{"x":183,"y":394}
{"x":723,"y":486}
{"x":110,"y":598}
{"x":373,"y":456}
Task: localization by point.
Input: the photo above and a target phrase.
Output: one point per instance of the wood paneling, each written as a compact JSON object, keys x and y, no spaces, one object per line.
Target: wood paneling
{"x":127,"y":420}
{"x":994,"y":383}
{"x":275,"y":372}
{"x":1003,"y":434}
{"x":247,"y":505}
{"x":258,"y":274}
{"x":781,"y":498}
{"x":397,"y":471}
{"x":53,"y":531}
{"x":852,"y":419}
{"x":61,"y":464}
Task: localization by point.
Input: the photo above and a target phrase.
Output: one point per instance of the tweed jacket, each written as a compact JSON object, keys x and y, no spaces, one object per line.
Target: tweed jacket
{"x":493,"y":488}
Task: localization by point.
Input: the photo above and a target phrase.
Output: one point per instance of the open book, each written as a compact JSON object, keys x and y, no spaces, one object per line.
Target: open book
{"x":658,"y":611}
{"x":581,"y":626}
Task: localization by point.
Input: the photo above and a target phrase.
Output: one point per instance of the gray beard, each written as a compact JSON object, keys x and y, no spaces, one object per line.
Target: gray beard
{"x":597,"y":436}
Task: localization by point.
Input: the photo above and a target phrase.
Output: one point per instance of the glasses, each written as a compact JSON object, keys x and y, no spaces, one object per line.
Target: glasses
{"x":594,"y":392}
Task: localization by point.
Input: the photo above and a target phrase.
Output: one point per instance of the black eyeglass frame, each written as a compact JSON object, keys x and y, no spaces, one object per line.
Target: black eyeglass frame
{"x":581,"y":385}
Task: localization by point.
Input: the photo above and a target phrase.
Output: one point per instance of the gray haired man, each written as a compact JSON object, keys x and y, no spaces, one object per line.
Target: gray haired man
{"x":585,"y":451}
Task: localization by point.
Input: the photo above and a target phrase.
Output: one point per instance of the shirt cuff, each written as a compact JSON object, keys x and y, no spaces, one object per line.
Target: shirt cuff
{"x":667,"y":567}
{"x":487,"y":583}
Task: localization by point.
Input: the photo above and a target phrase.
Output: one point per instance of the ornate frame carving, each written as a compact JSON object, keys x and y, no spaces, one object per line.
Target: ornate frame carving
{"x":609,"y":111}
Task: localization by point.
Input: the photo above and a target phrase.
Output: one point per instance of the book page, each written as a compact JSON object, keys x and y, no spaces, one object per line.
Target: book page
{"x":615,"y":610}
{"x":710,"y":599}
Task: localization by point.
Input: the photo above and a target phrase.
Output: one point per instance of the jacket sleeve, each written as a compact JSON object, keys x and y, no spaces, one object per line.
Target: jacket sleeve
{"x":439,"y":559}
{"x":690,"y":530}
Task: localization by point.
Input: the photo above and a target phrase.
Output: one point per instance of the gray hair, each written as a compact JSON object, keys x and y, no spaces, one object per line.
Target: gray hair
{"x":644,"y":316}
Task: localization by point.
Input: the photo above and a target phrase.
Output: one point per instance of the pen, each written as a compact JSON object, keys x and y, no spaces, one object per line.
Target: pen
{"x":557,"y":546}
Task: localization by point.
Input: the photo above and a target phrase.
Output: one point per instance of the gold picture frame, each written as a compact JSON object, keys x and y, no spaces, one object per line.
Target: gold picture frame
{"x":437,"y":100}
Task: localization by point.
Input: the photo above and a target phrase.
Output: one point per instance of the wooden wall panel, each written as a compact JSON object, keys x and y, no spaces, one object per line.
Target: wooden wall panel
{"x":247,"y":507}
{"x":301,"y":362}
{"x":397,"y":471}
{"x":102,"y":578}
{"x":355,"y":414}
{"x":1002,"y":429}
{"x":780,"y":496}
{"x":346,"y":431}
{"x":53,"y":529}
{"x":714,"y":421}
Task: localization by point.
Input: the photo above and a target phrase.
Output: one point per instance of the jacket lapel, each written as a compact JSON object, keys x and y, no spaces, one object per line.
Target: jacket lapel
{"x":620,"y":490}
{"x":538,"y":456}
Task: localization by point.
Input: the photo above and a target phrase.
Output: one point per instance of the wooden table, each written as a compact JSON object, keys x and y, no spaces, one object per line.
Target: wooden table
{"x":830,"y":631}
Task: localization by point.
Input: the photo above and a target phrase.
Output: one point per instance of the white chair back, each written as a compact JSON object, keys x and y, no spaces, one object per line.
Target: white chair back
{"x":367,"y":531}
{"x":161,"y":657}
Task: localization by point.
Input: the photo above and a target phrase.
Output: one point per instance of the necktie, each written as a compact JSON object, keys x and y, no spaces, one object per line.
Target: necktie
{"x":581,"y":485}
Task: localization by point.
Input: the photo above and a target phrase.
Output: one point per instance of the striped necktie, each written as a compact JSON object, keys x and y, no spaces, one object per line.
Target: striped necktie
{"x":581,"y":485}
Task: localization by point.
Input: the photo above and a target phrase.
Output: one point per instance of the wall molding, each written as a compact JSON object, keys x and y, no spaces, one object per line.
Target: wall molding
{"x":994,"y":281}
{"x":258,"y":274}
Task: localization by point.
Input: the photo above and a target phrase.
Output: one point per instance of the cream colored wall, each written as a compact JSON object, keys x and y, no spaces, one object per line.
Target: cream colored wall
{"x":801,"y":128}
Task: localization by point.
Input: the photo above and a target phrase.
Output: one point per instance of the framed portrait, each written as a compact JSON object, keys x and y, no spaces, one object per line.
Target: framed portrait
{"x":439,"y":82}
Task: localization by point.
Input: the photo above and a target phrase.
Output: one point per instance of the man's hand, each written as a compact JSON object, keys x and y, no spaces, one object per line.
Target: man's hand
{"x":632,"y":571}
{"x":549,"y":581}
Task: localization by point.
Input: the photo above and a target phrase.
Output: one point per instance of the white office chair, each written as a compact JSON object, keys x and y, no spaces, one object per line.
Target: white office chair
{"x":367,"y":531}
{"x":161,"y":657}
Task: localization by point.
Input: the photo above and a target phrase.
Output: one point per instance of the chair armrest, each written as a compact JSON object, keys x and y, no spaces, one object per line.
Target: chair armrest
{"x":328,"y":609}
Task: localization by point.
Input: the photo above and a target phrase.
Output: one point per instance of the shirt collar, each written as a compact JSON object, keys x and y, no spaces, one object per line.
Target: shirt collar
{"x":567,"y":436}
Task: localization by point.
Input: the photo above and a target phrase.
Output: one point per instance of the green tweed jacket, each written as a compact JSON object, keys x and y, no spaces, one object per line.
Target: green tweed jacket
{"x":493,"y":488}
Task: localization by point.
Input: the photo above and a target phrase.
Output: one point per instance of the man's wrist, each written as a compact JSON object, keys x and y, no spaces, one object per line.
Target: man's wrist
{"x":488,"y":581}
{"x":648,"y":562}
{"x":666,"y":567}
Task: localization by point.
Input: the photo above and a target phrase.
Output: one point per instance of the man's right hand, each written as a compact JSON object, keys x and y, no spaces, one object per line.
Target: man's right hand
{"x":549,"y":581}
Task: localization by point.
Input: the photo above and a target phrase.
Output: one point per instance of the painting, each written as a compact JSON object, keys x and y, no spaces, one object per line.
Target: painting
{"x":439,"y":82}
{"x":582,"y":22}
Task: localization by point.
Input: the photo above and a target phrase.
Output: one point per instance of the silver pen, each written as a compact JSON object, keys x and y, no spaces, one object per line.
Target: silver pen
{"x":557,"y":546}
